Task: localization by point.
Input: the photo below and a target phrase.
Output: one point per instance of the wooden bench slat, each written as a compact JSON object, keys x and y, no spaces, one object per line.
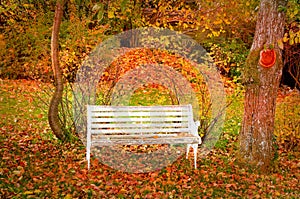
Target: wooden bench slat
{"x":114,"y":131}
{"x":132,"y":114}
{"x":138,"y":136}
{"x":138,"y":125}
{"x":165,"y":140}
{"x":141,"y":119}
{"x":182,"y":108}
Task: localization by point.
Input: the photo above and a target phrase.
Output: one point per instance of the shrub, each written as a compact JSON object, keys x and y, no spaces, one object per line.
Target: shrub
{"x":287,"y":126}
{"x":229,"y":56}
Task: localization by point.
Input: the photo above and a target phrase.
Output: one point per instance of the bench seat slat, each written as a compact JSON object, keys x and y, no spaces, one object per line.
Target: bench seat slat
{"x":114,"y":131}
{"x":140,"y":119}
{"x":131,"y":113}
{"x":138,"y":136}
{"x":139,"y":108}
{"x":150,"y":140}
{"x":138,"y":125}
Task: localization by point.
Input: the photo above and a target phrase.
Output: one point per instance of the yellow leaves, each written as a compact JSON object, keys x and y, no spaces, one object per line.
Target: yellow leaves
{"x":171,"y":27}
{"x":227,"y":22}
{"x":291,"y":41}
{"x":295,"y":12}
{"x":215,"y":33}
{"x":32,"y":192}
{"x":110,"y":14}
{"x":280,"y":44}
{"x":291,"y":37}
{"x":185,"y":26}
{"x":122,"y":191}
{"x":277,"y":193}
{"x":285,"y":38}
{"x":218,"y":21}
{"x":68,"y":196}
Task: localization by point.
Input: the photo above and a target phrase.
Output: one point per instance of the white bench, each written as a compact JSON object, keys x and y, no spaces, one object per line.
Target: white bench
{"x":138,"y":125}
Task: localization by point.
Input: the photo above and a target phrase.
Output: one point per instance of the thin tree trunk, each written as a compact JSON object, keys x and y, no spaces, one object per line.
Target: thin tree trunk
{"x":256,"y":136}
{"x":53,"y":116}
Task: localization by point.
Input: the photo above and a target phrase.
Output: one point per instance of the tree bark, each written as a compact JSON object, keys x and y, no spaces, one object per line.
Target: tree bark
{"x":256,"y":136}
{"x":53,"y":116}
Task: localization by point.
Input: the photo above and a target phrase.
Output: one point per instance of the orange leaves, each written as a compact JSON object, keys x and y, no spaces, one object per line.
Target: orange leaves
{"x":153,"y":177}
{"x":133,"y":59}
{"x":34,"y":165}
{"x":80,"y":176}
{"x":136,"y":58}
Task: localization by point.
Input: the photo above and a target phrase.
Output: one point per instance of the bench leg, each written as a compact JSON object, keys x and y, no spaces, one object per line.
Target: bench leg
{"x":88,"y":156}
{"x":187,"y":151}
{"x":195,"y":149}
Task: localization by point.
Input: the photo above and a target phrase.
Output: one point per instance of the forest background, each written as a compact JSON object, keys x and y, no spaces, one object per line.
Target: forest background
{"x":225,"y":29}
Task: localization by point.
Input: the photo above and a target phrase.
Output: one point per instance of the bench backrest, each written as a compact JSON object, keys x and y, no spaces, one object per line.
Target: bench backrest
{"x":133,"y":120}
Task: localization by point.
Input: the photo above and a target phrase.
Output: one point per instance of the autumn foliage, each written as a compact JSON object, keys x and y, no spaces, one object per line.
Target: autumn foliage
{"x":35,"y":164}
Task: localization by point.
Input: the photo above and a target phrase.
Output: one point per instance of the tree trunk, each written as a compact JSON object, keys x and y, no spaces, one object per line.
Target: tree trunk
{"x":53,"y":116}
{"x":256,"y":136}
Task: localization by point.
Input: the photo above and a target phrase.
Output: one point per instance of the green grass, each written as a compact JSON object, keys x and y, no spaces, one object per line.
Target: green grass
{"x":151,"y":96}
{"x":18,"y":102}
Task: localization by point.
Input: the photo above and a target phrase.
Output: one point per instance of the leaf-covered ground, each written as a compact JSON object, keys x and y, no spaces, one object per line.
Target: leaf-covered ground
{"x":35,"y":165}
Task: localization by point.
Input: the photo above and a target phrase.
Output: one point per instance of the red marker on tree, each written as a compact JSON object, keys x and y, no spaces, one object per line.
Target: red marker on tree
{"x":267,"y":58}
